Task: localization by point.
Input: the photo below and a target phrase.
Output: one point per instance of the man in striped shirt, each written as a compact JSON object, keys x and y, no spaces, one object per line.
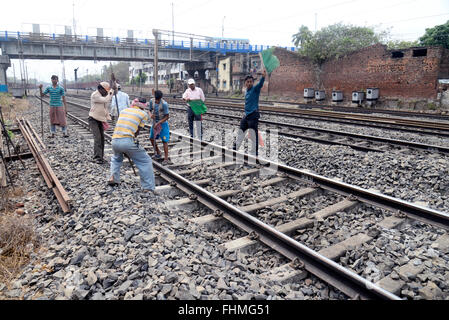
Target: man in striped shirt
{"x":129,"y":123}
{"x":58,"y":112}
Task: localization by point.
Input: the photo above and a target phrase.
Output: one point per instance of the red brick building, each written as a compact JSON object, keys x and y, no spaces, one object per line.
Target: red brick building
{"x":403,"y":74}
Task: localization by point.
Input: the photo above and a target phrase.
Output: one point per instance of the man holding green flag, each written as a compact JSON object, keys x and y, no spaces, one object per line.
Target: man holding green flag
{"x":195,"y":98}
{"x":251,"y":119}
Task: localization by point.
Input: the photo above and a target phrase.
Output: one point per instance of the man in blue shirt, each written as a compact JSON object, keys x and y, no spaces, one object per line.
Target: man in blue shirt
{"x":159,"y":110}
{"x":251,"y":119}
{"x":123,"y":103}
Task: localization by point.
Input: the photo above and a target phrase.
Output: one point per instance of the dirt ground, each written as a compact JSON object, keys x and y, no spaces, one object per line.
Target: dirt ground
{"x":17,"y":235}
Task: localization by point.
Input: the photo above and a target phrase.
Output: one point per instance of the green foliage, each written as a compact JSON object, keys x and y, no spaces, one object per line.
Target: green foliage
{"x":401,"y":44}
{"x":10,"y":134}
{"x":436,"y":36}
{"x":334,"y":41}
{"x":121,"y":72}
{"x":431,"y":106}
{"x":141,"y":78}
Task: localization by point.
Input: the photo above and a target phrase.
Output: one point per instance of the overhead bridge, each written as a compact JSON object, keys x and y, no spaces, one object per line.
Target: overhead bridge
{"x":43,"y":46}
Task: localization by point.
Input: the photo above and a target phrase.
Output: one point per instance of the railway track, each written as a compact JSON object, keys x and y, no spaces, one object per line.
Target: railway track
{"x":440,"y":128}
{"x":359,"y":142}
{"x":400,"y":113}
{"x":37,"y":149}
{"x":250,"y":214}
{"x":387,"y":123}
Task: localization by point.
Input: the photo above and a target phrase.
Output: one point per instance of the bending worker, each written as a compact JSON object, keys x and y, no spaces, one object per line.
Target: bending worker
{"x":129,"y":123}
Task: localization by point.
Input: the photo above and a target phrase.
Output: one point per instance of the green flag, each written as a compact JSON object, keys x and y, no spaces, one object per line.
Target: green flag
{"x":270,"y":61}
{"x":198,"y":106}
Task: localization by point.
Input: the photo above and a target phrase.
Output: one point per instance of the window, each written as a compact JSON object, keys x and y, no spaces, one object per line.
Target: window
{"x":224,"y":84}
{"x":420,"y":53}
{"x":397,"y":54}
{"x":224,"y":66}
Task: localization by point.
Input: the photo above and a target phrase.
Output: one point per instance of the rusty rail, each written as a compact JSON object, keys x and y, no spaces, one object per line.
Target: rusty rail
{"x":37,"y":149}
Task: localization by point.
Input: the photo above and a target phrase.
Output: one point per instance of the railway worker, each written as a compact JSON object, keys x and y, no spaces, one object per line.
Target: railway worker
{"x":58,"y":111}
{"x":123,"y":103}
{"x":129,"y":123}
{"x":159,"y":110}
{"x":98,"y":117}
{"x":251,"y":119}
{"x":194,"y":93}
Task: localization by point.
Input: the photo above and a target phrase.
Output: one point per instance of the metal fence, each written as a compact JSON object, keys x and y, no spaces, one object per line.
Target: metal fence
{"x":169,"y":44}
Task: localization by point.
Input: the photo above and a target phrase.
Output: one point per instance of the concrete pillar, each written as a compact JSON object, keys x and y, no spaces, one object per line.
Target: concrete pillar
{"x":5,"y":63}
{"x":200,"y":80}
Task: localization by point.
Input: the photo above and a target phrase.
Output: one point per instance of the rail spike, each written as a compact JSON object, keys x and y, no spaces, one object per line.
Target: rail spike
{"x":193,"y":196}
{"x":217,"y":213}
{"x":296,"y":263}
{"x":253,"y":235}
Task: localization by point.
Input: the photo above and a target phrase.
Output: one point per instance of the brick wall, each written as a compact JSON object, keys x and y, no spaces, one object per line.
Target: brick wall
{"x":293,"y":75}
{"x":405,"y":77}
{"x":444,"y":67}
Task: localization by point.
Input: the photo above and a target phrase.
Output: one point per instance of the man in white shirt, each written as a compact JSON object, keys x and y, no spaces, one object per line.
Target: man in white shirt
{"x":123,"y":103}
{"x":194,"y":93}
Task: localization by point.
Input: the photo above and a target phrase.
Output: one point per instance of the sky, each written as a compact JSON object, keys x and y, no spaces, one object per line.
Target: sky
{"x":262,"y":22}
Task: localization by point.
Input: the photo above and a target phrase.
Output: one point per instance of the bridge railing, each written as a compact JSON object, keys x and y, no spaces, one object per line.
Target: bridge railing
{"x":170,"y":44}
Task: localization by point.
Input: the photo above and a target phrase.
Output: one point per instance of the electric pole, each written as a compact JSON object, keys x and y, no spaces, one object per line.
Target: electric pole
{"x":76,"y":79}
{"x":73,"y":15}
{"x":222,"y":27}
{"x":173,"y":23}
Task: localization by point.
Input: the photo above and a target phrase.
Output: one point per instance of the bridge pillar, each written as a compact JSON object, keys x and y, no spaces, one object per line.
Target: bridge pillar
{"x":5,"y":63}
{"x":200,"y":78}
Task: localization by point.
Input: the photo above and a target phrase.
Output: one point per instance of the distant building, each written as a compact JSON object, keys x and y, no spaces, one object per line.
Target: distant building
{"x":166,"y":71}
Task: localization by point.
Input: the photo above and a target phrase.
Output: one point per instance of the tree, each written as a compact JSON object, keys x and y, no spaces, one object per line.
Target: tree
{"x":401,"y":44}
{"x":141,"y":78}
{"x":436,"y":36}
{"x":303,"y":36}
{"x":334,"y":41}
{"x":121,"y":71}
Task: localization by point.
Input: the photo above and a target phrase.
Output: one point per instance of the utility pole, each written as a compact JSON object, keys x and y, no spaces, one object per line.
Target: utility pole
{"x":173,"y":23}
{"x":73,"y":15}
{"x":156,"y":74}
{"x":63,"y":74}
{"x":222,"y":27}
{"x":26,"y":79}
{"x":14,"y":72}
{"x":76,"y":79}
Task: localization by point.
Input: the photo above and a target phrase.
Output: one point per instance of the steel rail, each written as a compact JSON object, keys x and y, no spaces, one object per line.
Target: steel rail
{"x":386,"y":124}
{"x":270,"y":103}
{"x":345,"y":280}
{"x":395,"y":142}
{"x":47,"y":172}
{"x":341,"y":278}
{"x":359,"y":120}
{"x":402,"y":143}
{"x":414,"y":211}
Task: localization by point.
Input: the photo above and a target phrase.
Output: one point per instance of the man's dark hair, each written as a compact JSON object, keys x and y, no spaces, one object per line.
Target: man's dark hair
{"x":101,"y":87}
{"x":54,"y":77}
{"x":158,"y":94}
{"x":249,"y":77}
{"x":142,"y":100}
